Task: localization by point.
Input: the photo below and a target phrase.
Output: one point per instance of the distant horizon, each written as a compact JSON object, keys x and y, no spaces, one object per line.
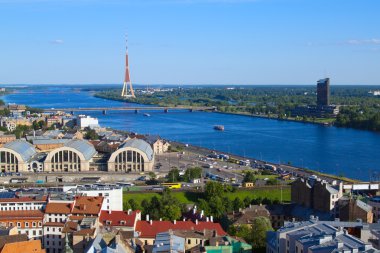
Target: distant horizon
{"x":168,"y":84}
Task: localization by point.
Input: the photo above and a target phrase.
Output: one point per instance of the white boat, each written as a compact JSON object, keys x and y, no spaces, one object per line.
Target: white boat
{"x":146,"y":114}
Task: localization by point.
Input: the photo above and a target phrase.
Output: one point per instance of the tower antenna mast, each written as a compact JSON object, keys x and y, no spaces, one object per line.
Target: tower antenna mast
{"x":127,"y":77}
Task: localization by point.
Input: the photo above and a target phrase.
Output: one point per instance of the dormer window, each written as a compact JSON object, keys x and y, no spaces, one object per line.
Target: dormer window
{"x":108,"y":222}
{"x":122,"y":222}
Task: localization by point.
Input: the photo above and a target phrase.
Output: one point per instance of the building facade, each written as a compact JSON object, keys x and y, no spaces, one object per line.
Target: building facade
{"x":323,"y":92}
{"x":74,"y":156}
{"x":132,"y":156}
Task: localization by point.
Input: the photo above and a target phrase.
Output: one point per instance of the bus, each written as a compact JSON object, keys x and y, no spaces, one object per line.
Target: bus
{"x":172,"y":185}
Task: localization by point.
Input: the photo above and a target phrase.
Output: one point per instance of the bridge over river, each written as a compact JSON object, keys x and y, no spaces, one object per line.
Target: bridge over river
{"x":135,"y":109}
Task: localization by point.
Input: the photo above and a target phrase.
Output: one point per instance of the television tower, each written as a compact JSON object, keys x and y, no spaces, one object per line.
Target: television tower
{"x":127,"y":79}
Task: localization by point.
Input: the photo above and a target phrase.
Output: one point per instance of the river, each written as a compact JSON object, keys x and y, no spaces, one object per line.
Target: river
{"x":340,"y":151}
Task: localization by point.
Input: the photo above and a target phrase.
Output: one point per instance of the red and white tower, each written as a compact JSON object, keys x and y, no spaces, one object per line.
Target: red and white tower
{"x":127,"y":80}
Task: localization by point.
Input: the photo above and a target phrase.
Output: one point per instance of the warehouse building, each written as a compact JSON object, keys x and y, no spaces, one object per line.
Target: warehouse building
{"x":134,"y":155}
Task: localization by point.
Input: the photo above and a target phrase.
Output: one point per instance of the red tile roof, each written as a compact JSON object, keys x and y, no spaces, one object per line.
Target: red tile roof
{"x":87,"y":205}
{"x":23,"y":199}
{"x":115,"y":217}
{"x":147,"y":230}
{"x":61,"y":208}
{"x":21,"y":214}
{"x":33,"y":246}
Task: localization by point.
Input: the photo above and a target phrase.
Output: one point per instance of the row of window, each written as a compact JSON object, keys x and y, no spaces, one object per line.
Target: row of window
{"x":53,"y":229}
{"x":26,"y":224}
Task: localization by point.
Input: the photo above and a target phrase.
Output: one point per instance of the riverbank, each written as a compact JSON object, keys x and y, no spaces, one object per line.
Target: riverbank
{"x":318,"y":121}
{"x":302,"y":172}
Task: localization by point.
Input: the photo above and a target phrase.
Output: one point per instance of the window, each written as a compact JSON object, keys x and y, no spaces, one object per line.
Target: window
{"x":18,"y":224}
{"x":26,"y":224}
{"x":34,"y":224}
{"x":34,"y":232}
{"x":11,"y":224}
{"x":188,"y":241}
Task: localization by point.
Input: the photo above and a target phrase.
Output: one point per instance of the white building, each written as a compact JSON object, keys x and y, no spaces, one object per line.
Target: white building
{"x":113,"y":195}
{"x":87,"y":121}
{"x":56,"y":215}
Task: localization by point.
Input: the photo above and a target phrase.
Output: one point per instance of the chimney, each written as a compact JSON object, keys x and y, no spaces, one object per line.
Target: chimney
{"x":174,"y":222}
{"x":147,"y":217}
{"x":250,"y":206}
{"x":211,"y":218}
{"x":194,"y":209}
{"x":196,"y":221}
{"x":151,"y":222}
{"x":160,"y":219}
{"x":207,"y":219}
{"x":183,"y":219}
{"x":202,"y":213}
{"x":129,"y":211}
{"x":109,"y":211}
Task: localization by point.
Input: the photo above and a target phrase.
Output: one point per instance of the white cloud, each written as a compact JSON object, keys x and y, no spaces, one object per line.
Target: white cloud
{"x":363,"y":42}
{"x":57,"y":41}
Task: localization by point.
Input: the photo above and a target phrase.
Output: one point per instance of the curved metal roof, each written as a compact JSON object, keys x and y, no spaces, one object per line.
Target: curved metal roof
{"x":24,"y":148}
{"x":141,"y":145}
{"x":86,"y":148}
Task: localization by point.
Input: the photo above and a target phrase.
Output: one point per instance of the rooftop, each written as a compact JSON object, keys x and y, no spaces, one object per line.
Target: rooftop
{"x":33,"y":246}
{"x":21,"y":214}
{"x":141,"y":145}
{"x":148,"y":230}
{"x":24,"y":148}
{"x":87,"y":205}
{"x":61,"y":208}
{"x":83,"y":146}
{"x":118,"y":218}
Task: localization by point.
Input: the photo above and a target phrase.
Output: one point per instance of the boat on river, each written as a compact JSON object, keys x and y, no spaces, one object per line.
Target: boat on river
{"x":219,"y":127}
{"x":146,"y":114}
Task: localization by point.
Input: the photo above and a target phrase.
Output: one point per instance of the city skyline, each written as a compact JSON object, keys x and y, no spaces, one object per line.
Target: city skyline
{"x":189,"y":42}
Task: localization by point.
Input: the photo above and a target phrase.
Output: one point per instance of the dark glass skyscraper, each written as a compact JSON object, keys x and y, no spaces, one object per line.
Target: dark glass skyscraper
{"x":323,"y":92}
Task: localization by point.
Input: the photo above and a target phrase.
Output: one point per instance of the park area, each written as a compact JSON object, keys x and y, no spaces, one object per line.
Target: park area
{"x":271,"y":193}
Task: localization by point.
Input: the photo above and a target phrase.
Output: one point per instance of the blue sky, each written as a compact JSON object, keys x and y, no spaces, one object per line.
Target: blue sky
{"x":190,"y":41}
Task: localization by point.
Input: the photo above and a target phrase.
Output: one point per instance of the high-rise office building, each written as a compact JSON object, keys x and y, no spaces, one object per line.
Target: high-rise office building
{"x":323,"y":92}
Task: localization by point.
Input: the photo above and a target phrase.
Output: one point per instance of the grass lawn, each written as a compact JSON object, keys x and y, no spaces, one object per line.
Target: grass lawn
{"x":192,"y":197}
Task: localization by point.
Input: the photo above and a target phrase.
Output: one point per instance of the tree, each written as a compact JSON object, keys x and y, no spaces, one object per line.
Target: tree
{"x":173,"y":176}
{"x":260,"y":227}
{"x":237,"y":204}
{"x":247,"y":201}
{"x":216,"y":207}
{"x":91,"y":135}
{"x":213,"y":189}
{"x":249,"y":177}
{"x":192,"y":173}
{"x":203,"y":205}
{"x":134,"y":205}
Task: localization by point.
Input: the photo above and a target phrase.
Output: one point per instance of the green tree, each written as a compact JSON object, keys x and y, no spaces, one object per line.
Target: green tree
{"x":247,"y":201}
{"x":260,"y":227}
{"x":192,"y":173}
{"x":213,"y":189}
{"x":203,"y":205}
{"x":216,"y":207}
{"x":134,"y":205}
{"x":173,"y":176}
{"x":249,"y":177}
{"x":91,"y":135}
{"x":237,"y":204}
